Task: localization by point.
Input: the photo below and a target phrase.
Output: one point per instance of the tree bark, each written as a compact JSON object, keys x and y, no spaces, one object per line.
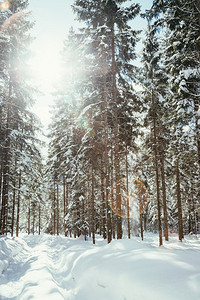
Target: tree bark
{"x":92,"y":205}
{"x":180,"y":222}
{"x":6,"y":168}
{"x":89,"y":209}
{"x":57,"y":197}
{"x":1,"y":204}
{"x":127,"y":193}
{"x":34,"y":221}
{"x":116,"y":138}
{"x":29,"y":217}
{"x":39,"y":218}
{"x":112,"y":184}
{"x":141,"y":226}
{"x":103,"y":208}
{"x":109,"y":231}
{"x":64,"y":204}
{"x":164,"y":195}
{"x":140,"y":205}
{"x":13,"y":209}
{"x":54,"y":209}
{"x":18,"y":205}
{"x":157,"y":173}
{"x":64,"y":196}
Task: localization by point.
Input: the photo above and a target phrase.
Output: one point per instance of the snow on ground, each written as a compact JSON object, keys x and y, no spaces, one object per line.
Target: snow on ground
{"x":55,"y":268}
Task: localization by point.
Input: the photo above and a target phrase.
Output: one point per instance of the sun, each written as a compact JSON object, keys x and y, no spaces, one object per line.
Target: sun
{"x":4,"y":5}
{"x":46,"y":66}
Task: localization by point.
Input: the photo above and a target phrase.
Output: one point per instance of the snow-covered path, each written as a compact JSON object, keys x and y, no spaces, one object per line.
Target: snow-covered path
{"x":41,"y":279}
{"x":38,"y":267}
{"x":56,"y":268}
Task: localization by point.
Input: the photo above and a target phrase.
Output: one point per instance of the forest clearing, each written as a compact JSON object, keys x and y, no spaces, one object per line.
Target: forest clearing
{"x":104,"y":202}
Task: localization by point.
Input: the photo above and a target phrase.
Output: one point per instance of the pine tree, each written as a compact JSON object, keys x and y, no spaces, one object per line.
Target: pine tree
{"x":112,"y":50}
{"x":155,"y":89}
{"x":19,"y":125}
{"x":180,"y":21}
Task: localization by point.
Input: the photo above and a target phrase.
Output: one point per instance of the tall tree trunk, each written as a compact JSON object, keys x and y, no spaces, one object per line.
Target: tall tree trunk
{"x":141,"y":226}
{"x":164,"y":193}
{"x":18,"y":204}
{"x":194,"y":224}
{"x":197,"y":129}
{"x":57,"y":197}
{"x":157,"y":172}
{"x":189,"y":219}
{"x":64,"y":196}
{"x":6,"y":168}
{"x":29,"y":217}
{"x":1,"y":163}
{"x":89,"y":208}
{"x":112,"y":184}
{"x":34,"y":221}
{"x":54,"y":209}
{"x":103,"y":208}
{"x":13,"y":209}
{"x":180,"y":222}
{"x":92,"y":205}
{"x":145,"y":220}
{"x":64,"y":203}
{"x":109,"y":234}
{"x":1,"y":177}
{"x":116,"y":138}
{"x":140,"y":201}
{"x":39,"y":218}
{"x":127,"y":193}
{"x":84,"y":231}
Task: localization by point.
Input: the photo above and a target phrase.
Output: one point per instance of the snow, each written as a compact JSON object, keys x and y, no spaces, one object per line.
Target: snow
{"x":194,"y":72}
{"x":55,"y":267}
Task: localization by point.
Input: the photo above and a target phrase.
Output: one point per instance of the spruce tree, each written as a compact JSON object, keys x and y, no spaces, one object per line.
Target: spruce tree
{"x":19,"y":125}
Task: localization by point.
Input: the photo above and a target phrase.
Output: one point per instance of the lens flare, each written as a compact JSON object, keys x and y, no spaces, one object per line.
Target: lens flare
{"x":4,"y":5}
{"x":9,"y":24}
{"x":134,"y":198}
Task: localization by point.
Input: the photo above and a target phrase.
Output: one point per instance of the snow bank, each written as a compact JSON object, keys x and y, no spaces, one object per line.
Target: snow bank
{"x":54,"y":267}
{"x":3,"y":256}
{"x":130,"y":269}
{"x":12,"y":250}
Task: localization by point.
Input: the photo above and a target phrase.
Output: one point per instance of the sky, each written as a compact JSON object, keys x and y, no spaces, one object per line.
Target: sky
{"x":53,"y":19}
{"x":52,"y":22}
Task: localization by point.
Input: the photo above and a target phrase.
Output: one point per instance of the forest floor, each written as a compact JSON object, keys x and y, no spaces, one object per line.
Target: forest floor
{"x":55,"y":268}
